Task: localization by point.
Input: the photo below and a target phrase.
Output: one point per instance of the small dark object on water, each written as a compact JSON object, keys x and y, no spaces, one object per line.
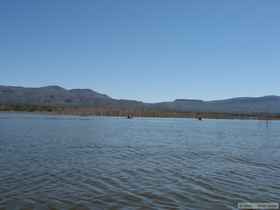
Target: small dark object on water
{"x":199,"y":118}
{"x":129,"y":116}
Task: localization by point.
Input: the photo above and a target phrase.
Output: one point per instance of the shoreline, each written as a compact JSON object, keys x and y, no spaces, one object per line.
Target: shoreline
{"x":188,"y":115}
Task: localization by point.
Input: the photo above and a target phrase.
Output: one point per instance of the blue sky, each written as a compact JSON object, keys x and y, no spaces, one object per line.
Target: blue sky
{"x":149,"y":50}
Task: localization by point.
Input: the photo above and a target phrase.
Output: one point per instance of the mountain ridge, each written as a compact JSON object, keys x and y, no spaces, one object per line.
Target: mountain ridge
{"x":54,"y":95}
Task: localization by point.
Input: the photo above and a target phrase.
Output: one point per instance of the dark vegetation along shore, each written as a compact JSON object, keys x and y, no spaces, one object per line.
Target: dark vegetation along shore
{"x":84,"y":102}
{"x":87,"y":111}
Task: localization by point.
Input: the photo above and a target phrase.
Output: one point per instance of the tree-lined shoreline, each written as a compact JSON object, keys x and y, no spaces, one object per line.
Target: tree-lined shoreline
{"x":90,"y":111}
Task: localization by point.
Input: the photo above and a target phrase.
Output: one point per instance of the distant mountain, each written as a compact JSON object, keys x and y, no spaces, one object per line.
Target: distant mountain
{"x":58,"y":96}
{"x":265,"y":104}
{"x":49,"y":95}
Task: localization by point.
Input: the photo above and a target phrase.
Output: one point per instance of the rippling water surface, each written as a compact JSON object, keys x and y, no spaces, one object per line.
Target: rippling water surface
{"x":66,"y":162}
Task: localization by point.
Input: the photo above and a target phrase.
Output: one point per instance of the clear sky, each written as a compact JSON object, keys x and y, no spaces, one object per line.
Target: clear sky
{"x":150,"y":50}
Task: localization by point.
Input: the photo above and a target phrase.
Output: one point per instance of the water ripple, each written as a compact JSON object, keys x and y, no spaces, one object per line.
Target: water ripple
{"x":112,"y":163}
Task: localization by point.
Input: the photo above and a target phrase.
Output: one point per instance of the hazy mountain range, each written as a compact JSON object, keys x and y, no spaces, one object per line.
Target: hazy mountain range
{"x":58,"y":96}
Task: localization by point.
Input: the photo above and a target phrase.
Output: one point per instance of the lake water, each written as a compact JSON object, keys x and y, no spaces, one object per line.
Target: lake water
{"x":67,"y":162}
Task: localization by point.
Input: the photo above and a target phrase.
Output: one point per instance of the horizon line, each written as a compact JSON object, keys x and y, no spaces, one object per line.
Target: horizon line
{"x":143,"y":101}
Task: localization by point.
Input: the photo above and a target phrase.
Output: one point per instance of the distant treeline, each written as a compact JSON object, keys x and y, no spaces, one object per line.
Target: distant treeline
{"x":87,"y":111}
